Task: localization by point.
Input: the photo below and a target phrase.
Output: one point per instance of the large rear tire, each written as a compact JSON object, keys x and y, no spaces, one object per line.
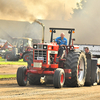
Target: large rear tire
{"x":26,"y":57}
{"x":59,"y":78}
{"x":88,"y":83}
{"x":21,"y":76}
{"x":76,"y":61}
{"x":9,"y":57}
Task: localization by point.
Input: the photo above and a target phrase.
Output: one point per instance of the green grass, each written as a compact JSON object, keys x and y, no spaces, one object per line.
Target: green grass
{"x":8,"y":76}
{"x":4,"y":62}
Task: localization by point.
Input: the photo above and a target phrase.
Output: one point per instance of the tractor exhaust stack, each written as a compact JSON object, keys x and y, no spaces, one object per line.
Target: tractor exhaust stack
{"x":42,"y":30}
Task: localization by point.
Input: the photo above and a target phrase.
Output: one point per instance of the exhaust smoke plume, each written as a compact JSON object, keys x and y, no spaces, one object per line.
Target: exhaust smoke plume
{"x":83,"y":15}
{"x":87,"y":22}
{"x":29,"y":10}
{"x":14,"y":10}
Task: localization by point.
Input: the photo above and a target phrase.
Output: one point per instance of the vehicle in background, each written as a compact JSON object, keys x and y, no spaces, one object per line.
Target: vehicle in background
{"x":18,"y":49}
{"x":21,"y":48}
{"x":4,"y":46}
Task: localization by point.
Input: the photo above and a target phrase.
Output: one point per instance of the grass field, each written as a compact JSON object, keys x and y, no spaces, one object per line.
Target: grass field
{"x":7,"y":76}
{"x":4,"y":62}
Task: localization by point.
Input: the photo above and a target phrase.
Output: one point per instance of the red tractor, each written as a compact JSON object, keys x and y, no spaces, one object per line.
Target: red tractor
{"x":44,"y":62}
{"x":4,"y":46}
{"x":20,"y":50}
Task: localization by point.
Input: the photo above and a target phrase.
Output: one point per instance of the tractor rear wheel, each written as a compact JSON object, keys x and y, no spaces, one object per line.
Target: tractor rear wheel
{"x":21,"y":76}
{"x":9,"y":57}
{"x":76,"y":61}
{"x":59,"y":78}
{"x":26,"y":57}
{"x":88,"y":83}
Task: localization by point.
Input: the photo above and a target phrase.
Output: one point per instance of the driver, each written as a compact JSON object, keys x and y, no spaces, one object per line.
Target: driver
{"x":61,"y":41}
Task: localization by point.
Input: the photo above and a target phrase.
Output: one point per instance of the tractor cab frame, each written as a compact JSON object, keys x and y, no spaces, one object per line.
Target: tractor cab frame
{"x":70,"y":31}
{"x":70,"y":45}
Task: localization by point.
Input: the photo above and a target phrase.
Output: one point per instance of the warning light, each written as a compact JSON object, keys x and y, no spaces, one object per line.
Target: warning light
{"x":73,"y":31}
{"x":50,"y":30}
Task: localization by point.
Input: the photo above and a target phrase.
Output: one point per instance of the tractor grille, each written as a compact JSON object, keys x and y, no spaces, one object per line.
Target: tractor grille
{"x":40,"y":53}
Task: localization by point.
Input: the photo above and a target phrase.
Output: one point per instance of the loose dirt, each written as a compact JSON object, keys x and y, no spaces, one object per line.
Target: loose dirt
{"x":8,"y":69}
{"x":9,"y":90}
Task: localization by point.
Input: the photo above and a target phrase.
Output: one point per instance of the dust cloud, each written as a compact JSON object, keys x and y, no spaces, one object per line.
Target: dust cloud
{"x":29,"y":10}
{"x":14,"y":10}
{"x":83,"y":15}
{"x":87,"y":22}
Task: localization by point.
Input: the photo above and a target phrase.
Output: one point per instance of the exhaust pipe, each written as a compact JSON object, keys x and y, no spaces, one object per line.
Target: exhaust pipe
{"x":42,"y":30}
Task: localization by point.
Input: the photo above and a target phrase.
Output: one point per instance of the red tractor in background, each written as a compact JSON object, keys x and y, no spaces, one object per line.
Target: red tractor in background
{"x":70,"y":70}
{"x":4,"y":46}
{"x":20,"y":50}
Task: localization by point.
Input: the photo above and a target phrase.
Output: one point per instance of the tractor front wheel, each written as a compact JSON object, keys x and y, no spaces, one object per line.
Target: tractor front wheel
{"x":21,"y":76}
{"x":59,"y":78}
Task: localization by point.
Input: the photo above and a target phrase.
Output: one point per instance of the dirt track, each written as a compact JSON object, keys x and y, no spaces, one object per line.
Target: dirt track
{"x":8,"y":69}
{"x":9,"y":90}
